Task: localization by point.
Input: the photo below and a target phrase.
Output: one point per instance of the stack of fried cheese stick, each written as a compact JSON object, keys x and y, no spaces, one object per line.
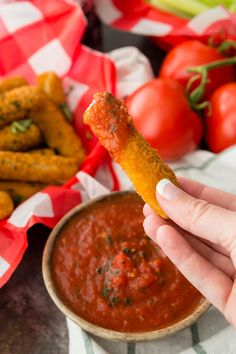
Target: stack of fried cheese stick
{"x":38,"y":146}
{"x":111,"y":123}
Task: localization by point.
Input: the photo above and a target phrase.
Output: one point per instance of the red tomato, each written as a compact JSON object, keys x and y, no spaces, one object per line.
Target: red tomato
{"x":221,"y":120}
{"x":161,"y":113}
{"x":194,"y":53}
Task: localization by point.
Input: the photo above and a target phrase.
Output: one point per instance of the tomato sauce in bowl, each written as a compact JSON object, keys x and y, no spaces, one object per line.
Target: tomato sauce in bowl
{"x":106,"y":270}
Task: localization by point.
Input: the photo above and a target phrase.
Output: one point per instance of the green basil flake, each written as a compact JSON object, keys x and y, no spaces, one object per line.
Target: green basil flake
{"x":128,"y":301}
{"x":127,"y":251}
{"x":99,"y":270}
{"x":20,"y":126}
{"x":114,"y":301}
{"x":66,"y":111}
{"x":143,"y":254}
{"x":105,"y":292}
{"x":16,"y":104}
{"x":109,"y":240}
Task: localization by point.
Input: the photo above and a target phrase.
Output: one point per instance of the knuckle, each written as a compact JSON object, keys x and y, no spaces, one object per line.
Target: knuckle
{"x":197,"y":209}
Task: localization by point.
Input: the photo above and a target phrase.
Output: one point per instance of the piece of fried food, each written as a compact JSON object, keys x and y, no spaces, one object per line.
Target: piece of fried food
{"x":10,"y":83}
{"x":16,"y":104}
{"x":51,"y":84}
{"x":43,"y":151}
{"x":19,"y":191}
{"x":6,"y":205}
{"x":111,"y":123}
{"x":20,"y":166}
{"x":58,"y":133}
{"x":20,"y":141}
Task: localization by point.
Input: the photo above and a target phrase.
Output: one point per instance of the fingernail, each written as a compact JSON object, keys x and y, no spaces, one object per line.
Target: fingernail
{"x":167,"y":189}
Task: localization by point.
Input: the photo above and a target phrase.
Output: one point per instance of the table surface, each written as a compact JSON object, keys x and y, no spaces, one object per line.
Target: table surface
{"x":29,"y":321}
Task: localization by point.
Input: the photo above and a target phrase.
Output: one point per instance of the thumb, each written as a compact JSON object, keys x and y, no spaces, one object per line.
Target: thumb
{"x":197,"y":216}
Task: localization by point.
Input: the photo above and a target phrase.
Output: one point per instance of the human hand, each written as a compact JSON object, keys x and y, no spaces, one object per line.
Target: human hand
{"x":199,"y":238}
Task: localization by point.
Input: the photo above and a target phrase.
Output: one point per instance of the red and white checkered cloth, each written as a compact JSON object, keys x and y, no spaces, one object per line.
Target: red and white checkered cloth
{"x":37,"y":36}
{"x":136,"y":16}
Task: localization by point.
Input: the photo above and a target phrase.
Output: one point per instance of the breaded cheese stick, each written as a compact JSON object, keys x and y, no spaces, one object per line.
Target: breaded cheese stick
{"x":10,"y":83}
{"x":20,"y":141}
{"x":111,"y":123}
{"x":58,"y":133}
{"x":43,"y":151}
{"x":20,"y":166}
{"x":6,"y":205}
{"x":51,"y":84}
{"x":17,"y":103}
{"x":19,"y":191}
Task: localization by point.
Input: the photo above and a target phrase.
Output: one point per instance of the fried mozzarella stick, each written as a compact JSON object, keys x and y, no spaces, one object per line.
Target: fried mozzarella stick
{"x":20,"y":166}
{"x":17,"y":103}
{"x":10,"y":83}
{"x":51,"y":84}
{"x":19,"y":191}
{"x":58,"y":133}
{"x":111,"y":123}
{"x":43,"y":151}
{"x":6,"y":205}
{"x":20,"y":141}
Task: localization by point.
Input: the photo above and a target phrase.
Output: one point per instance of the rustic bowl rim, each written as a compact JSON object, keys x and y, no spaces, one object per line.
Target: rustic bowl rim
{"x":93,"y":328}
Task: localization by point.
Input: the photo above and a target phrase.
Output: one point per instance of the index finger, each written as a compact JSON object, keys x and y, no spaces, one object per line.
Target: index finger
{"x":197,"y":216}
{"x":211,"y":195}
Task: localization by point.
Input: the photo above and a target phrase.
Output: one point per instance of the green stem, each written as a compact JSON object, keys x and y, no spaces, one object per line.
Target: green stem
{"x":198,"y":93}
{"x":213,"y":65}
{"x":226,"y":45}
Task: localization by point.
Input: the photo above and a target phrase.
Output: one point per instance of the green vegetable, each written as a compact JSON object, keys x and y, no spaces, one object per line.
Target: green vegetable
{"x":190,"y":8}
{"x":20,"y":126}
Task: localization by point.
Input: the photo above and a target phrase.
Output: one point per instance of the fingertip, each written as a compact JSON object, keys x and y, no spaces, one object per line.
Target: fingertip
{"x":164,"y":236}
{"x":147,"y":210}
{"x":166,"y":189}
{"x":151,"y":224}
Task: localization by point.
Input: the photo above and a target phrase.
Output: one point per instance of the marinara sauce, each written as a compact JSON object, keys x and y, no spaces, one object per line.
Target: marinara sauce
{"x":109,"y":272}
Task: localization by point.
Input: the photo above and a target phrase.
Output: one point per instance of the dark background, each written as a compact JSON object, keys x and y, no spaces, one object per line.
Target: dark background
{"x":29,"y":321}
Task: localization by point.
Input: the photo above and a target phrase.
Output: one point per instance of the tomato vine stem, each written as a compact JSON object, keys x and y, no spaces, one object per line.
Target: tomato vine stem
{"x":201,"y":72}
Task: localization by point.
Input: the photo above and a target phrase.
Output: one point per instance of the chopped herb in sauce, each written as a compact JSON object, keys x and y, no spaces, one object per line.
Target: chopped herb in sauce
{"x":99,"y":270}
{"x":109,"y":240}
{"x":129,"y":288}
{"x":128,"y":301}
{"x":127,"y":251}
{"x":143,"y":254}
{"x":105,"y":292}
{"x":161,"y":281}
{"x":114,"y":301}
